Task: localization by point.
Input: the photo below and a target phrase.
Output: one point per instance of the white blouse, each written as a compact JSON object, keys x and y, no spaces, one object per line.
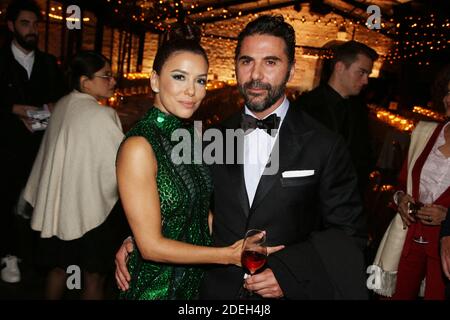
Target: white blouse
{"x":435,"y":176}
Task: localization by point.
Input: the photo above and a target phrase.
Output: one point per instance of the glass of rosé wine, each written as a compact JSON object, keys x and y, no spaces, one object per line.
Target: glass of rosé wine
{"x":254,"y":256}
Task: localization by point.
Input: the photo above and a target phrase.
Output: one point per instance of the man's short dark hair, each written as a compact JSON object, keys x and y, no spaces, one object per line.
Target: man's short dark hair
{"x":348,"y":52}
{"x":17,"y":6}
{"x":273,"y":25}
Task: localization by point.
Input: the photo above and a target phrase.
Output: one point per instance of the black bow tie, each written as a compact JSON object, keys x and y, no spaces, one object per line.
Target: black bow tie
{"x":269,"y":123}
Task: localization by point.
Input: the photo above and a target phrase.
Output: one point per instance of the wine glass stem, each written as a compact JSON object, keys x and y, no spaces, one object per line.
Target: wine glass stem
{"x":250,"y":293}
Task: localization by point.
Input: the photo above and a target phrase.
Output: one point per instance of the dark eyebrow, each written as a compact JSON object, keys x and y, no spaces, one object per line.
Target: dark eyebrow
{"x":364,"y":70}
{"x":245,"y":58}
{"x":265,"y":58}
{"x":272,"y":58}
{"x":186,"y":73}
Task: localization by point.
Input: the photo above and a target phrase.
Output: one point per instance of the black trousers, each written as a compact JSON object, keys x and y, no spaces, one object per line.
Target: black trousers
{"x":14,"y":174}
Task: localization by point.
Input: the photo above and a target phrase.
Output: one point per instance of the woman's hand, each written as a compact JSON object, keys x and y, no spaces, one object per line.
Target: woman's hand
{"x":274,"y":249}
{"x":122,"y":274}
{"x":403,"y":209}
{"x":235,"y":252}
{"x":432,"y":214}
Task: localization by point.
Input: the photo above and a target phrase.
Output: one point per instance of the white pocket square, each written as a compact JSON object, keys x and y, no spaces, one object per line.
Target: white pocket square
{"x":297,"y":173}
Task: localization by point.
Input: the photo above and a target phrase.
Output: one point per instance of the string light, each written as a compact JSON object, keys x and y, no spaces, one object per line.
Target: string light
{"x":429,"y":113}
{"x":431,"y":34}
{"x":420,"y":35}
{"x":57,"y":17}
{"x":393,"y":120}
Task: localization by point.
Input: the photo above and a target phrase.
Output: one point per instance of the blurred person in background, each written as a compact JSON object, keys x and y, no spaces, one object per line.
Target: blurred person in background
{"x":30,"y":81}
{"x":427,"y":172}
{"x":72,"y":187}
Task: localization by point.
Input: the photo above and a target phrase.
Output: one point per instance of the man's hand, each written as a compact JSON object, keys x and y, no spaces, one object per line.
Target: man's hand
{"x":122,"y":274}
{"x":21,"y":110}
{"x":265,"y":284}
{"x":445,"y":255}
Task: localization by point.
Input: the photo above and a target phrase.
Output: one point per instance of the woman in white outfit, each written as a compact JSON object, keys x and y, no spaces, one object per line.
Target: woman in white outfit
{"x":72,"y":186}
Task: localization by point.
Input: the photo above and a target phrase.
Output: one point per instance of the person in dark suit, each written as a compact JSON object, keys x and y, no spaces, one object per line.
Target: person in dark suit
{"x":29,"y":79}
{"x":337,"y":105}
{"x":296,"y":183}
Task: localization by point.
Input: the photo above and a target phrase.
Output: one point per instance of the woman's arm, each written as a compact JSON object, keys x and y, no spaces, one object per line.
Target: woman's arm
{"x":136,"y":175}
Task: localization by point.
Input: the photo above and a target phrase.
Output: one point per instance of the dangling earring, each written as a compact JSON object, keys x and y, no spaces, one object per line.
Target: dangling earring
{"x":154,"y":89}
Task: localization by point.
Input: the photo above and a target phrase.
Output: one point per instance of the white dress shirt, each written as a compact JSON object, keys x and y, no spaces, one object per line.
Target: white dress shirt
{"x":257,"y":148}
{"x":24,"y":59}
{"x":435,"y":176}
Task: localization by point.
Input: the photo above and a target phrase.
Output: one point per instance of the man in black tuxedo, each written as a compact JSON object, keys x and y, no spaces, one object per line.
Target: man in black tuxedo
{"x":310,"y":205}
{"x":336,"y":103}
{"x":29,"y":79}
{"x":305,"y":199}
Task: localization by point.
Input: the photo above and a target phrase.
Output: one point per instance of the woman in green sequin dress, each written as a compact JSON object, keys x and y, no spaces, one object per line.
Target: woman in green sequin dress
{"x":167,"y":204}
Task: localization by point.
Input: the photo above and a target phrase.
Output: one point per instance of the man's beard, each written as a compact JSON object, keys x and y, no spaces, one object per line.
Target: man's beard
{"x":273,"y":94}
{"x":28,"y":42}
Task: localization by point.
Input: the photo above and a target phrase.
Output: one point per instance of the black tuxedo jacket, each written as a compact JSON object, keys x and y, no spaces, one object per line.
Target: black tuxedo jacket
{"x":317,"y":217}
{"x":349,"y":118}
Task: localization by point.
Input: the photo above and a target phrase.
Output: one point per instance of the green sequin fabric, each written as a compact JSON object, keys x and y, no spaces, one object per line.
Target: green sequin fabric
{"x":184,"y":192}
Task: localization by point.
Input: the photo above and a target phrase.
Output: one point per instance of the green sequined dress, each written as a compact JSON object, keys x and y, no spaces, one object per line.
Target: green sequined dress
{"x":184,"y":192}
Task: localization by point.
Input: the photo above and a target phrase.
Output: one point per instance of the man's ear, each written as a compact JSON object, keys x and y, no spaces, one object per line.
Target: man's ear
{"x":154,"y":82}
{"x":292,"y":71}
{"x":11,"y":26}
{"x":340,"y":66}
